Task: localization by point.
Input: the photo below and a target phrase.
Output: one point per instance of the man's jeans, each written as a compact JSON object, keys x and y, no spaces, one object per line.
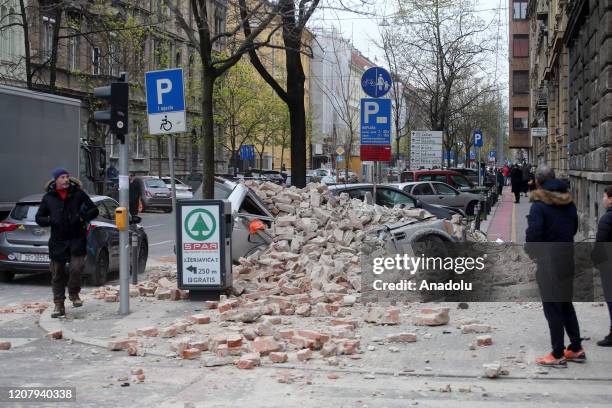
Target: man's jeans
{"x":61,"y":277}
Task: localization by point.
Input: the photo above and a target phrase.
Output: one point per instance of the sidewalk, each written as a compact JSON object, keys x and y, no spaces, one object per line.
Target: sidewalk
{"x":508,"y":220}
{"x":441,"y":351}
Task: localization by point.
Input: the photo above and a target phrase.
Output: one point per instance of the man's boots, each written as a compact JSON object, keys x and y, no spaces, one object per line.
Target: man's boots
{"x":76,"y":300}
{"x":59,"y":310}
{"x":607,"y":341}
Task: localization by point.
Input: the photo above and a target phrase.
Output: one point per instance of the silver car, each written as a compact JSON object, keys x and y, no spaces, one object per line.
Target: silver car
{"x":183,"y":191}
{"x":23,"y":243}
{"x":438,"y":193}
{"x":155,"y":194}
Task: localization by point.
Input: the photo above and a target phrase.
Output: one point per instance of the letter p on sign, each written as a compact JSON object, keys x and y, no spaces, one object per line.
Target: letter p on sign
{"x":164,"y":86}
{"x":371,"y":108}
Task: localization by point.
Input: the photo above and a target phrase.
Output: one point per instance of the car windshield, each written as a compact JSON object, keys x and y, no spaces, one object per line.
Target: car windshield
{"x":155,"y":183}
{"x":460,"y":181}
{"x":222,"y":192}
{"x":24,"y":211}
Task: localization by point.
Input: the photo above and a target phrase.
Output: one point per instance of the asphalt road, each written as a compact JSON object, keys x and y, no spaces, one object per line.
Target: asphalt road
{"x":37,"y":286}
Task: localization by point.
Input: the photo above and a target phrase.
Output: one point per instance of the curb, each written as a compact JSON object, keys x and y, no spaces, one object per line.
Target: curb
{"x":49,"y":324}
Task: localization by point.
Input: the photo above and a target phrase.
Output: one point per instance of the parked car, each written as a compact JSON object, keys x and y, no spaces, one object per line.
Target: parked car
{"x":388,"y":196}
{"x":155,"y":194}
{"x":452,"y":178}
{"x":472,"y":175}
{"x":435,"y":192}
{"x":24,"y":244}
{"x":183,"y":191}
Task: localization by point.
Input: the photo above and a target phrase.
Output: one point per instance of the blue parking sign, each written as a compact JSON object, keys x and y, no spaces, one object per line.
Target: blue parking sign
{"x":165,"y":101}
{"x":478,"y":139}
{"x":375,"y":121}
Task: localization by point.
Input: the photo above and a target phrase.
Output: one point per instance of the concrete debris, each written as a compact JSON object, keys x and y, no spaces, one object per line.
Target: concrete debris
{"x":475,"y":328}
{"x":492,"y":370}
{"x":432,"y":317}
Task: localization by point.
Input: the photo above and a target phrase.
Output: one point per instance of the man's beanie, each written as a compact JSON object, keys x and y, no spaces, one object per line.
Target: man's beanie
{"x":58,"y":172}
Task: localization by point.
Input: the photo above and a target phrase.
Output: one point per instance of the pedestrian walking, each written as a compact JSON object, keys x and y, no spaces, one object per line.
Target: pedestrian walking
{"x":516,"y":180}
{"x":135,"y":194}
{"x":506,"y":173}
{"x":67,"y":209}
{"x":526,"y":170}
{"x":604,"y":234}
{"x":553,"y":220}
{"x":500,"y":182}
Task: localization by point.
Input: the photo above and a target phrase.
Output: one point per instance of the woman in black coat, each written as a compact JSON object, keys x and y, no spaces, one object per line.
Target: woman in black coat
{"x":516,"y":180}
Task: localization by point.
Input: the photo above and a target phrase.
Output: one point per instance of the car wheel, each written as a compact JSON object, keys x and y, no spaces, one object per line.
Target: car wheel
{"x":101,"y":269}
{"x":143,"y":254}
{"x":6,"y":276}
{"x":469,"y":210}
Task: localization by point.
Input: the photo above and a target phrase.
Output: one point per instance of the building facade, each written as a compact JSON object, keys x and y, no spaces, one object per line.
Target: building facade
{"x":519,"y":102}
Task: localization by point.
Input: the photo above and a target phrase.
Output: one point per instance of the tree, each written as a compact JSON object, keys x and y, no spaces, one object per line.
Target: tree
{"x":208,"y":36}
{"x":445,"y":42}
{"x":273,"y":112}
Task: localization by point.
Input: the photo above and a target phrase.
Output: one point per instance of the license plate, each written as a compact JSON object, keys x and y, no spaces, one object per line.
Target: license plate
{"x":35,"y":258}
{"x":161,"y":195}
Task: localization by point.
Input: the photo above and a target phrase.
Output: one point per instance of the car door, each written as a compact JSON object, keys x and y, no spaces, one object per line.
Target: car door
{"x":388,"y":197}
{"x":424,"y":192}
{"x":446,"y":195}
{"x":113,"y":233}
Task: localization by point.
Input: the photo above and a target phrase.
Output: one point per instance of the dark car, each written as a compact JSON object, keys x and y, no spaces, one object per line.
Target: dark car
{"x":23,"y":243}
{"x":388,"y":196}
{"x":472,"y":175}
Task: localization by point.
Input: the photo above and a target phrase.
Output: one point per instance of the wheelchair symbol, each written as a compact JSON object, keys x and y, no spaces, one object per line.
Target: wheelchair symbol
{"x":165,"y":124}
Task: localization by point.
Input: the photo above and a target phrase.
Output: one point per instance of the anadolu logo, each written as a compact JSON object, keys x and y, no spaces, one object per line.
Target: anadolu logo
{"x":200,"y":224}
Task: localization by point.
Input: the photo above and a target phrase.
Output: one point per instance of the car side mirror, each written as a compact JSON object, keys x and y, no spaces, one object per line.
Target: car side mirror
{"x":135,"y":219}
{"x":418,"y":203}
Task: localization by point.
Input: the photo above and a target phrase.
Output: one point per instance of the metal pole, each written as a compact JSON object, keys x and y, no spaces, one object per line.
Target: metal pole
{"x":172,"y":183}
{"x":124,"y":239}
{"x":374,"y":179}
{"x":479,"y":167}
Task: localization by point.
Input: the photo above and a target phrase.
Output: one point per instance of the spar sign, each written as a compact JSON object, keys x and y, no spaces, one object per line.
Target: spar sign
{"x":202,"y":251}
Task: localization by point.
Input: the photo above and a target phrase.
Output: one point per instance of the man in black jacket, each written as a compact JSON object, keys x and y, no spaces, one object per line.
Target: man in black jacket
{"x":604,"y":234}
{"x":553,"y":221}
{"x":66,"y":209}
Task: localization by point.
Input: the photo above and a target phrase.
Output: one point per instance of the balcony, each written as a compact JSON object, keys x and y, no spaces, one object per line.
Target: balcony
{"x":542,"y":97}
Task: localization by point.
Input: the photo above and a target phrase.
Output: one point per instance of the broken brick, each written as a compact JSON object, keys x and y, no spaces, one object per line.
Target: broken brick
{"x":200,"y":319}
{"x":265,"y":345}
{"x":248,"y":361}
{"x":147,"y":331}
{"x":304,"y":354}
{"x":191,"y":353}
{"x":5,"y":345}
{"x":277,"y":357}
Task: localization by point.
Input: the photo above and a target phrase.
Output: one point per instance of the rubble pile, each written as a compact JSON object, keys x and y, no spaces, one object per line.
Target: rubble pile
{"x":318,"y":239}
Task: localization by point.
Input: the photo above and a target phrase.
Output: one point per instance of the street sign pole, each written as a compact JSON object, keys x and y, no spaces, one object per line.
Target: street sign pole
{"x":172,"y":182}
{"x":479,"y":167}
{"x":124,"y":239}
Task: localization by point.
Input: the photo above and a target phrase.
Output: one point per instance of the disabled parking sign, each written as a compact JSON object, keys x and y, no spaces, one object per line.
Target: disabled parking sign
{"x":165,"y":101}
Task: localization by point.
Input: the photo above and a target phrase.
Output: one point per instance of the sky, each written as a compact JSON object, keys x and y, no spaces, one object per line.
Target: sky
{"x":363,"y":30}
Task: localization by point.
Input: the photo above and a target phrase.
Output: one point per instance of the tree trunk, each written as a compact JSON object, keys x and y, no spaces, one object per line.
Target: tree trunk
{"x":54,"y":48}
{"x":208,"y":136}
{"x":297,"y":113}
{"x":26,"y":43}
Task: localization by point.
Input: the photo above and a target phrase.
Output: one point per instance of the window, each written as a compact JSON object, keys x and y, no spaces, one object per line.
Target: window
{"x":111,"y":205}
{"x":520,"y":45}
{"x":113,"y":66}
{"x":520,"y":119}
{"x":443,"y":189}
{"x":357,"y":193}
{"x":137,"y":141}
{"x":178,"y":59}
{"x":73,"y":51}
{"x":519,"y":10}
{"x":103,"y":211}
{"x":47,"y":36}
{"x":95,"y":61}
{"x":520,"y":82}
{"x":389,"y":198}
{"x":460,"y":181}
{"x":407,"y":176}
{"x":422,"y":189}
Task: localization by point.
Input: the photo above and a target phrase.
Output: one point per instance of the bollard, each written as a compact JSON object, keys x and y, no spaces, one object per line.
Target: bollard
{"x":477,"y":214}
{"x":134,"y":261}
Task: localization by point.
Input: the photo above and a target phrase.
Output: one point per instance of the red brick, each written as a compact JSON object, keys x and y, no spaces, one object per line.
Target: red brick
{"x":278,"y":357}
{"x":227,"y":305}
{"x":304,"y":354}
{"x":200,"y":319}
{"x":222,"y":350}
{"x":342,"y":322}
{"x":200,"y":345}
{"x":140,"y":377}
{"x":132,"y":350}
{"x":116,"y":345}
{"x":191,"y":353}
{"x":210,"y":304}
{"x":111,"y":298}
{"x":298,"y":341}
{"x":248,"y":361}
{"x":286,"y":333}
{"x":350,"y":346}
{"x":391,"y":316}
{"x":56,"y":335}
{"x":265,"y":345}
{"x":136,"y":371}
{"x":310,"y":334}
{"x":175,"y":294}
{"x":167,"y":332}
{"x":181,"y":327}
{"x":148,"y":331}
{"x":5,"y":345}
{"x":234,"y":340}
{"x":484,"y":340}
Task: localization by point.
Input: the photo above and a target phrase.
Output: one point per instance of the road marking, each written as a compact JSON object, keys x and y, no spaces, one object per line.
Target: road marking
{"x":154,"y":226}
{"x":161,"y":243}
{"x":513,"y":236}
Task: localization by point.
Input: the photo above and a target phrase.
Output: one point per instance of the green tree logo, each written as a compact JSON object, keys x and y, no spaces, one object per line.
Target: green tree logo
{"x":203,"y":227}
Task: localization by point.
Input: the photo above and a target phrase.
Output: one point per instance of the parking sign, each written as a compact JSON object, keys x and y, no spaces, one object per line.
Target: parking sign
{"x":165,"y":101}
{"x":375,"y":121}
{"x":478,"y":139}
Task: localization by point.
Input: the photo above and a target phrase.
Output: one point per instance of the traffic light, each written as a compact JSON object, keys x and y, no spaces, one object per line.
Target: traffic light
{"x":117,"y":93}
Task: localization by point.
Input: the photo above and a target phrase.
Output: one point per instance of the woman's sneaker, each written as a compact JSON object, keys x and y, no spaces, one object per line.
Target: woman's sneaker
{"x":550,"y":361}
{"x":575,"y":356}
